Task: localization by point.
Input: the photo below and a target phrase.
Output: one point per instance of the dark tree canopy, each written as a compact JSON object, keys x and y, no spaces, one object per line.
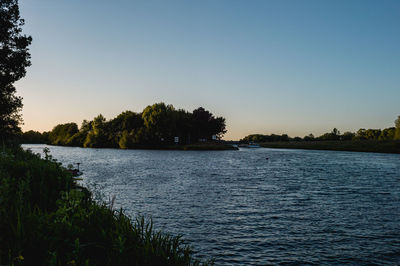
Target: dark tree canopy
{"x":157,"y":125}
{"x":62,"y":134}
{"x":206,"y":125}
{"x":14,"y":58}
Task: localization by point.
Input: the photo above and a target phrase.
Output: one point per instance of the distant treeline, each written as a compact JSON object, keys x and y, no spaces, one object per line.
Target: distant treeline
{"x":387,"y":134}
{"x":158,"y":124}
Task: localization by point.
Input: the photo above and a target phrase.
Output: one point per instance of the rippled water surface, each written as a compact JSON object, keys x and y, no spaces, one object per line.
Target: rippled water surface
{"x":321,"y":207}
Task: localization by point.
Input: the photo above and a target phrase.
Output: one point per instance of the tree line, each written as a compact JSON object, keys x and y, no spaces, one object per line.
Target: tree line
{"x":14,"y":58}
{"x":157,"y":125}
{"x":387,"y":134}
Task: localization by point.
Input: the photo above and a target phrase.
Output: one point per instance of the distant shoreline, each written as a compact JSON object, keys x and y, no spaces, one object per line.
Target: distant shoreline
{"x":188,"y":147}
{"x":392,"y":146}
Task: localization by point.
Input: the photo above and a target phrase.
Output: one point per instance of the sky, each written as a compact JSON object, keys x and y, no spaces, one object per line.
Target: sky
{"x":294,"y":67}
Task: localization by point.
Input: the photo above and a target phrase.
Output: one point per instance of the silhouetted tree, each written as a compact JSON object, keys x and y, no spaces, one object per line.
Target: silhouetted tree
{"x":335,"y":132}
{"x":14,"y":58}
{"x":265,"y":138}
{"x":361,"y":134}
{"x":373,"y":134}
{"x":387,"y":134}
{"x":201,"y":118}
{"x":205,"y":124}
{"x":33,"y":137}
{"x":309,"y":137}
{"x":347,"y":135}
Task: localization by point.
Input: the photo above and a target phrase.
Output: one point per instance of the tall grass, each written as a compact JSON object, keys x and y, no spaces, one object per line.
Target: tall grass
{"x":47,"y":219}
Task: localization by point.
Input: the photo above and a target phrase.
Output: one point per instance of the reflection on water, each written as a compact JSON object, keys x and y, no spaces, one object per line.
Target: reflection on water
{"x":236,"y":206}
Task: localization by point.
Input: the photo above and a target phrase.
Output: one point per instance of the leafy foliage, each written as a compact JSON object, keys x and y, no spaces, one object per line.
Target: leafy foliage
{"x":96,"y":137}
{"x":157,"y":125}
{"x":62,"y":134}
{"x":265,"y":138}
{"x":14,"y":58}
{"x":33,"y":137}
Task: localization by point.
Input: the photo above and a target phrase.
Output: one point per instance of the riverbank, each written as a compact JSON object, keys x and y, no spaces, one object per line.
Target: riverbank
{"x":48,"y":219}
{"x":207,"y":146}
{"x":358,"y":146}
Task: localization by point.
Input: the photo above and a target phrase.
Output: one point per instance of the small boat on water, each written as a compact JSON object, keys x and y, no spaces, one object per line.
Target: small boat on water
{"x":254,"y":145}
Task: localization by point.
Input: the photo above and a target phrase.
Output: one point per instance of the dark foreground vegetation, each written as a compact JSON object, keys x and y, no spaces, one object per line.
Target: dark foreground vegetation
{"x":47,"y":219}
{"x":364,"y":140}
{"x":157,"y":126}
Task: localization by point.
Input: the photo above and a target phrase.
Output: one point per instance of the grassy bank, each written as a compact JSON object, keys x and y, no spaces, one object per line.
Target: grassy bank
{"x":359,"y":146}
{"x":47,"y":219}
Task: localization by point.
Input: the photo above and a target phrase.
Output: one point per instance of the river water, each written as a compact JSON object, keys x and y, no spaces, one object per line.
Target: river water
{"x":238,"y":207}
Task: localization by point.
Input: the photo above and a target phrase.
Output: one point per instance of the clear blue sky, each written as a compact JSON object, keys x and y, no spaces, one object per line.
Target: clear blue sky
{"x":294,"y":67}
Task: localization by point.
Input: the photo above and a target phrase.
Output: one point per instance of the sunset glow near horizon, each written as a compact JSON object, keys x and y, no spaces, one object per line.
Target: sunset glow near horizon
{"x":294,"y":67}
